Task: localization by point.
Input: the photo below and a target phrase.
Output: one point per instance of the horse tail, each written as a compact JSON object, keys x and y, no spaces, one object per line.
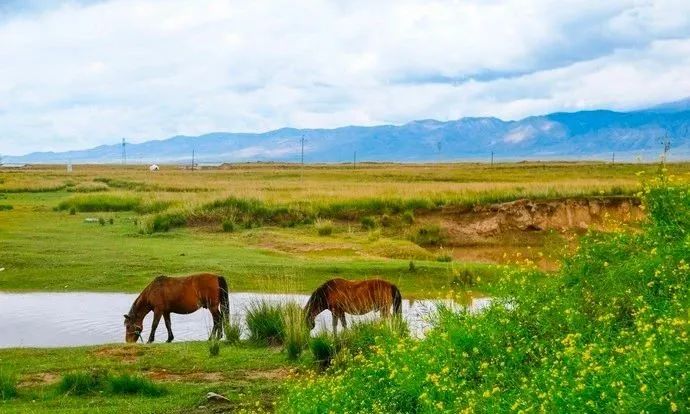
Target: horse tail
{"x":397,"y":300}
{"x":224,"y":301}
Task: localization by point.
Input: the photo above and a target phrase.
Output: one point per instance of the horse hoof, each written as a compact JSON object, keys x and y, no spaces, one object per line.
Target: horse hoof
{"x":169,"y":340}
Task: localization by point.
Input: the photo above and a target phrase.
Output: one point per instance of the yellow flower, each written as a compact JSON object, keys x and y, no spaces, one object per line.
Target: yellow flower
{"x":674,"y":407}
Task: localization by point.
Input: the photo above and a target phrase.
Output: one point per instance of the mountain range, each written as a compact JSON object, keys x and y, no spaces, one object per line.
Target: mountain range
{"x":583,"y":135}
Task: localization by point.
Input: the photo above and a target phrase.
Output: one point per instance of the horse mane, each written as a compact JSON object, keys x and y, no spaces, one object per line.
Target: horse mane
{"x":319,"y":298}
{"x":158,"y":280}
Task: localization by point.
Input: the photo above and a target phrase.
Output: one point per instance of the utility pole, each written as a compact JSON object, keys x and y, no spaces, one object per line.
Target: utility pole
{"x":613,"y":158}
{"x":192,"y":159}
{"x":492,"y":158}
{"x":354,"y":161}
{"x":124,"y":152}
{"x":666,"y":142}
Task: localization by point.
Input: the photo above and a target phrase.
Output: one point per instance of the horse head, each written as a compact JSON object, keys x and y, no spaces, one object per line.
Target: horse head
{"x":133,"y":328}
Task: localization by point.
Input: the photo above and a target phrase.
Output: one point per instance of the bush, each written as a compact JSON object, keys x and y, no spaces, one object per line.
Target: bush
{"x":324,"y":227}
{"x":101,"y":221}
{"x":412,"y":267}
{"x":5,"y":207}
{"x":265,"y":323}
{"x":83,"y":382}
{"x":228,"y":226}
{"x":127,"y":384}
{"x":430,"y":235}
{"x":72,"y":211}
{"x":608,"y":333}
{"x":8,"y":386}
{"x":368,"y":223}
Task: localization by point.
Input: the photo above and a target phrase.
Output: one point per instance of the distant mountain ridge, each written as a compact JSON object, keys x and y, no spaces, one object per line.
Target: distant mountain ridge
{"x":576,"y":135}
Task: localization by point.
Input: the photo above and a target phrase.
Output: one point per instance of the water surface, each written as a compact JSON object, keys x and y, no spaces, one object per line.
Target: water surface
{"x":87,"y":318}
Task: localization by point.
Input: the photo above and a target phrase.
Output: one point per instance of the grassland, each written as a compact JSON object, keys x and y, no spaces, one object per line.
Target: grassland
{"x":267,"y":228}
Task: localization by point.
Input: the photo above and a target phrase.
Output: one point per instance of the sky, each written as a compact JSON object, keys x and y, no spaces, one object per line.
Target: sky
{"x":77,"y":74}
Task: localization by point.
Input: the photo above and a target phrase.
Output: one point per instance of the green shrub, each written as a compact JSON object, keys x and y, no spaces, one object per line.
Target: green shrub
{"x":412,"y":267}
{"x":368,"y":223}
{"x":265,"y":323}
{"x":127,"y":384}
{"x":72,"y":211}
{"x":324,"y":227}
{"x":83,"y":382}
{"x":430,"y":235}
{"x":101,"y":221}
{"x":228,"y":226}
{"x":5,"y":207}
{"x":8,"y":386}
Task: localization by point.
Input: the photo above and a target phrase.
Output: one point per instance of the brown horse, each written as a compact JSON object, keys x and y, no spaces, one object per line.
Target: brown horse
{"x":183,"y":295}
{"x":342,"y":296}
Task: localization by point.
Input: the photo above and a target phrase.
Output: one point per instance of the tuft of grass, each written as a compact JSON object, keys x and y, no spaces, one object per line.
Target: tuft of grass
{"x":430,"y":235}
{"x":411,"y":267}
{"x":368,"y":223}
{"x":8,"y":386}
{"x":265,"y":322}
{"x":83,"y":382}
{"x":72,"y":211}
{"x":127,"y":384}
{"x":444,"y":258}
{"x":324,"y":227}
{"x":233,"y":330}
{"x":295,"y":331}
{"x":228,"y":226}
{"x":214,"y":347}
{"x":322,"y":348}
{"x":101,"y":221}
{"x":408,"y":217}
{"x":5,"y":207}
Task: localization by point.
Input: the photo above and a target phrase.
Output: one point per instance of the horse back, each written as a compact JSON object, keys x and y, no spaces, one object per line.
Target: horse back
{"x":183,"y":294}
{"x":359,"y":297}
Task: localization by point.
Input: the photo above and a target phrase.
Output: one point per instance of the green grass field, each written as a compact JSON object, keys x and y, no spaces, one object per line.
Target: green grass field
{"x":93,"y":230}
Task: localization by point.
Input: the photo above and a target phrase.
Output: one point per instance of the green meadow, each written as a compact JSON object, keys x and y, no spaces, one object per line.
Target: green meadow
{"x":281,"y":228}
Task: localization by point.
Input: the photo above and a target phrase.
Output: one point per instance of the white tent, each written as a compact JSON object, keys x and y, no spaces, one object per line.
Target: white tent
{"x":154,"y":167}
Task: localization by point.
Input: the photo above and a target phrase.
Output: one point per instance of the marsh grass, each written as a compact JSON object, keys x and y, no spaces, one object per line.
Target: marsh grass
{"x":324,"y":227}
{"x":295,"y":331}
{"x":213,"y":347}
{"x":233,"y":330}
{"x":128,"y":384}
{"x":100,"y":203}
{"x":322,"y":347}
{"x":265,"y":322}
{"x":83,"y":382}
{"x":8,"y":385}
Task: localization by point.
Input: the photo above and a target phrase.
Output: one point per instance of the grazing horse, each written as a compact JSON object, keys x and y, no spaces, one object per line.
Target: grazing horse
{"x":183,"y":295}
{"x":342,"y":296}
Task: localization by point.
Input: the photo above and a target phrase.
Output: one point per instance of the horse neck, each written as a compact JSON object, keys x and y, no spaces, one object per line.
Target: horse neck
{"x":140,"y":307}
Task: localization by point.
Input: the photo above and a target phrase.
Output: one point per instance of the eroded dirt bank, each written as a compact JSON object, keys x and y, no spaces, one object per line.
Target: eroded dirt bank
{"x":489,"y":221}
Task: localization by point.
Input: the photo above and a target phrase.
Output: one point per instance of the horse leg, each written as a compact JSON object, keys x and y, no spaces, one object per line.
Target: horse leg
{"x":154,"y":325}
{"x":168,"y":326}
{"x":343,"y":321}
{"x":335,"y":315}
{"x":216,"y":331}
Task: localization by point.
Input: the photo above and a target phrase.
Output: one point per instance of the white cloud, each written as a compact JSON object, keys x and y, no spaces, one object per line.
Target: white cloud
{"x":80,"y":74}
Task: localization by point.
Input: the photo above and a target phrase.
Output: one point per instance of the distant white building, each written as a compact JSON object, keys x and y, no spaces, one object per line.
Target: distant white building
{"x":154,"y":167}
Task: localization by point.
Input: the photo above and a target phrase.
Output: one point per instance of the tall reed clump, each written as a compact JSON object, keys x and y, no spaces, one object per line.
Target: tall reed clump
{"x":608,"y":333}
{"x":295,"y":330}
{"x":233,"y":330}
{"x":8,"y":385}
{"x":127,"y":384}
{"x":265,"y":322}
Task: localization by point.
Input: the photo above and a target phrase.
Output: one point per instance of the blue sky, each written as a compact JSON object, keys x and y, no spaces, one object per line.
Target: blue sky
{"x":76,"y":74}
